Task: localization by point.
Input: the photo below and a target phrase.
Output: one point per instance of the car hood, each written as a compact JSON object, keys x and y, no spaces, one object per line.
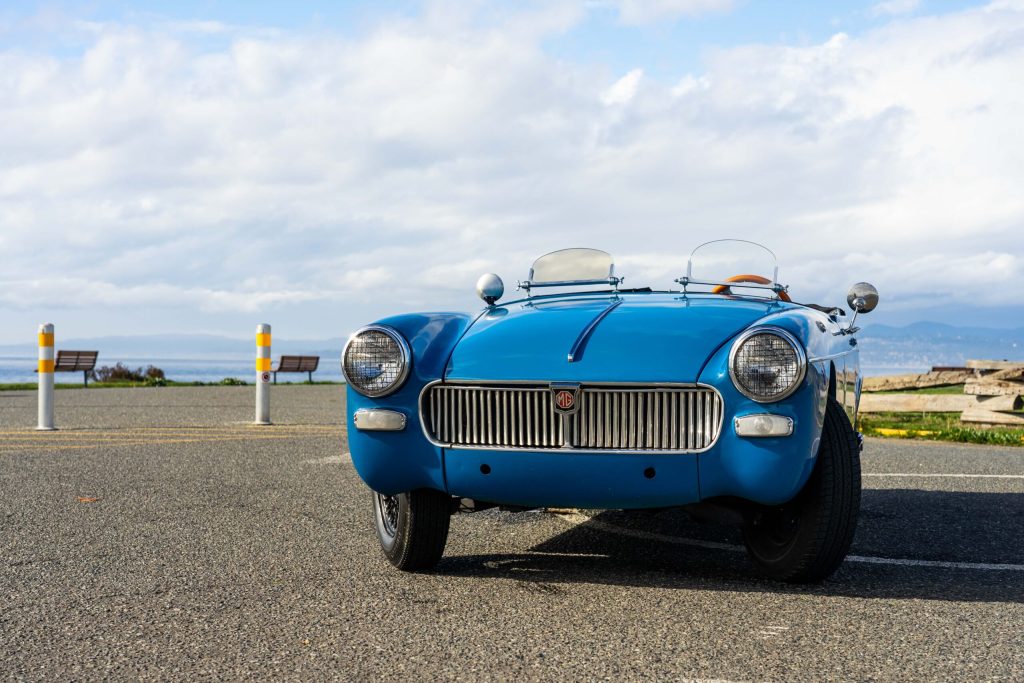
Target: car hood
{"x":646,"y":337}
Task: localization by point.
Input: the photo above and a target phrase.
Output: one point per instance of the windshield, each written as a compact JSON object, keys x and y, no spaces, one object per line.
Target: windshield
{"x":572,"y":267}
{"x":747,"y":268}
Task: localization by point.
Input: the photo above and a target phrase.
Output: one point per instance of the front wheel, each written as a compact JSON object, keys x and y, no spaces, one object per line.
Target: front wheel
{"x":806,"y":539}
{"x":412,"y":527}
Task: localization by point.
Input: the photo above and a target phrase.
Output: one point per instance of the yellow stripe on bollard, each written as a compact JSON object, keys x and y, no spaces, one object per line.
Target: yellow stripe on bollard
{"x":262,"y":374}
{"x":45,"y":378}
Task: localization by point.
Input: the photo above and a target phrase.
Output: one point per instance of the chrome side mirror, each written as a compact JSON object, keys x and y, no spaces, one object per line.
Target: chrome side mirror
{"x":490,"y":288}
{"x":862,"y":297}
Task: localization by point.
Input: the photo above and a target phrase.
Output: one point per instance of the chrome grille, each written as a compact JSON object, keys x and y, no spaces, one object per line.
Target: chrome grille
{"x":626,"y":418}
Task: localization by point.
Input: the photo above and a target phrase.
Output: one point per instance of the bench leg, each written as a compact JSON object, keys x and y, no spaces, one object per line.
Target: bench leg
{"x":85,"y":377}
{"x":275,"y":378}
{"x":310,"y":376}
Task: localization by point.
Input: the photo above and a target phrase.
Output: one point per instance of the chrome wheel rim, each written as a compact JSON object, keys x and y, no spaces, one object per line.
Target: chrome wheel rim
{"x":387,"y":513}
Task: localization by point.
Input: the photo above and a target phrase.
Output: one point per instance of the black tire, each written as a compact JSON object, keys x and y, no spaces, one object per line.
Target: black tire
{"x":412,"y":527}
{"x":806,"y":539}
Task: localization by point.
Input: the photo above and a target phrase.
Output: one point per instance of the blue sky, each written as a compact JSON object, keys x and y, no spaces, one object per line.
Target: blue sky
{"x":664,"y":46}
{"x":204,"y":166}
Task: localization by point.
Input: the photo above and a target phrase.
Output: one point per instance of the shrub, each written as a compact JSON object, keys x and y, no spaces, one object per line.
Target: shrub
{"x":117,"y":373}
{"x":122,"y":373}
{"x":232,"y":382}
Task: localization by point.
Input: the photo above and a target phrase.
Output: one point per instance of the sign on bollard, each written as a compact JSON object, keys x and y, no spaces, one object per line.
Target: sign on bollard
{"x":46,"y":422}
{"x":263,"y":374}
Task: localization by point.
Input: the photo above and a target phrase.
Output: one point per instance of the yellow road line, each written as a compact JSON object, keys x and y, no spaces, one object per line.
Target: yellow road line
{"x":102,"y":441}
{"x":886,"y":431}
{"x":150,"y":442}
{"x":114,"y":438}
{"x":77,"y":439}
{"x":70,"y":433}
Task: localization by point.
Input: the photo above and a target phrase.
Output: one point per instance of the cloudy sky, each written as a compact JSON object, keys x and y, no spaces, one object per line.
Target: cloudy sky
{"x":204,"y":166}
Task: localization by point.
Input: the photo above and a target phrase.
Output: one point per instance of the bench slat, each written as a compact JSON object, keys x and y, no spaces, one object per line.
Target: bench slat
{"x":75,"y":361}
{"x":307,"y":364}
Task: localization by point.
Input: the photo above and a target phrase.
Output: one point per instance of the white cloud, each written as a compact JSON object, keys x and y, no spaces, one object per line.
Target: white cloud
{"x":891,"y":7}
{"x":651,"y":11}
{"x":383,"y":171}
{"x":623,"y":90}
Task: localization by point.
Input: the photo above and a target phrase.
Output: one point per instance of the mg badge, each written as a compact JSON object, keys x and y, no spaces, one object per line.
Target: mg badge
{"x":565,"y":398}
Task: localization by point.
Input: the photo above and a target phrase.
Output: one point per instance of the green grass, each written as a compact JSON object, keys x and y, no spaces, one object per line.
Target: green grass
{"x":942,"y":427}
{"x":32,"y":386}
{"x":949,"y":389}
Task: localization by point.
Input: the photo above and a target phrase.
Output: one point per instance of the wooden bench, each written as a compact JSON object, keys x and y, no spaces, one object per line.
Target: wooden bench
{"x":307,"y":364}
{"x":76,"y":361}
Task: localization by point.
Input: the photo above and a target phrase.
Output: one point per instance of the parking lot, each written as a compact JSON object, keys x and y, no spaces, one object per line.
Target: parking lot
{"x":158,"y":535}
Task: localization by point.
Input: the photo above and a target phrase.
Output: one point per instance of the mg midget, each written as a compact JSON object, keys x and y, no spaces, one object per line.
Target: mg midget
{"x":721,"y":395}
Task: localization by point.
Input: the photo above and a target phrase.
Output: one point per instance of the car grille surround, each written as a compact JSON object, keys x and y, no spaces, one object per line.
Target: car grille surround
{"x":609,"y":417}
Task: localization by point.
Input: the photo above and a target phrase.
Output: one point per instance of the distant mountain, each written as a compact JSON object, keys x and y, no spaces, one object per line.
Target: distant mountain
{"x":181,"y":346}
{"x":917,"y":346}
{"x":924,"y":344}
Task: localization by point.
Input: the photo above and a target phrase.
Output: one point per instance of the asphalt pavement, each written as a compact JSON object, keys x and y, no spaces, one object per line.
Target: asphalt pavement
{"x":158,"y":535}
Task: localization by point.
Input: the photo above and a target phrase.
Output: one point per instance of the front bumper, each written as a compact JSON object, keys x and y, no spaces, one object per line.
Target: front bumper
{"x":765,"y":469}
{"x":547,"y":479}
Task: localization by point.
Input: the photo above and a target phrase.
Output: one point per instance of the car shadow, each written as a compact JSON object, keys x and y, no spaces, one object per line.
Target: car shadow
{"x":667,"y":549}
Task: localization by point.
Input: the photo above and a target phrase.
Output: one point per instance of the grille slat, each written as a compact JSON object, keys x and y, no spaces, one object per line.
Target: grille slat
{"x":609,"y":418}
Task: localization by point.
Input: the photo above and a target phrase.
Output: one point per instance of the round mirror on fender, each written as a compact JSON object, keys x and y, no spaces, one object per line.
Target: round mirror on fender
{"x":490,"y":288}
{"x":862,"y":297}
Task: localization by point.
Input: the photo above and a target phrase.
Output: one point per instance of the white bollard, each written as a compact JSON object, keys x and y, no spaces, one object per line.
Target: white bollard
{"x":263,"y":374}
{"x":45,"y":368}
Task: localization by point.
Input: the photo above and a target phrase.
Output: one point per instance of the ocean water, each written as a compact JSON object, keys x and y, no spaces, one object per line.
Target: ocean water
{"x":22,"y":369}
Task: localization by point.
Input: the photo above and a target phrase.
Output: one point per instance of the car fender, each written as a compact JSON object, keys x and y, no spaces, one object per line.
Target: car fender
{"x":393,"y":462}
{"x":768,"y":470}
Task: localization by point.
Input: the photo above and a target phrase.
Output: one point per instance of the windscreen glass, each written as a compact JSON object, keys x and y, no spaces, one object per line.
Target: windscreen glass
{"x":719,"y":261}
{"x":572,"y":265}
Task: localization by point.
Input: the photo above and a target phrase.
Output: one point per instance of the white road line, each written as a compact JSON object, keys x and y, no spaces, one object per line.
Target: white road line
{"x":329,"y":460}
{"x":936,"y":563}
{"x":940,"y":476}
{"x":653,"y":536}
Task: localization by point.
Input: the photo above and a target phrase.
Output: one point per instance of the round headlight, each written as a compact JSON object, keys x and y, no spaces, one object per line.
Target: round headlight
{"x":376,"y":361}
{"x":767,"y":364}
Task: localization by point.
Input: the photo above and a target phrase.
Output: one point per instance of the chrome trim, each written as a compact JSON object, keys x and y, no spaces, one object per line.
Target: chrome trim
{"x":581,"y":340}
{"x":371,"y":411}
{"x":558,"y":387}
{"x":527,"y":285}
{"x":831,"y":356}
{"x":403,"y":345}
{"x":586,"y":432}
{"x":490,"y":288}
{"x":779,"y":332}
{"x":862,"y":297}
{"x":772,"y":286}
{"x":547,"y":382}
{"x":736,"y":425}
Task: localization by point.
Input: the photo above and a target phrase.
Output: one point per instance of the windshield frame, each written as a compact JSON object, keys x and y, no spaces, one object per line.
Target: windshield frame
{"x":611,"y":280}
{"x":774,"y":286}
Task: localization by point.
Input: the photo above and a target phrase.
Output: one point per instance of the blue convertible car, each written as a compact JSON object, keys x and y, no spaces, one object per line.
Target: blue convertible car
{"x":720,"y":395}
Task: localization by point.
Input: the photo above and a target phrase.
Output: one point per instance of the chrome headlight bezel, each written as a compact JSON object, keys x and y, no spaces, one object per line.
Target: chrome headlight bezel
{"x":786,"y":336}
{"x":406,"y":356}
